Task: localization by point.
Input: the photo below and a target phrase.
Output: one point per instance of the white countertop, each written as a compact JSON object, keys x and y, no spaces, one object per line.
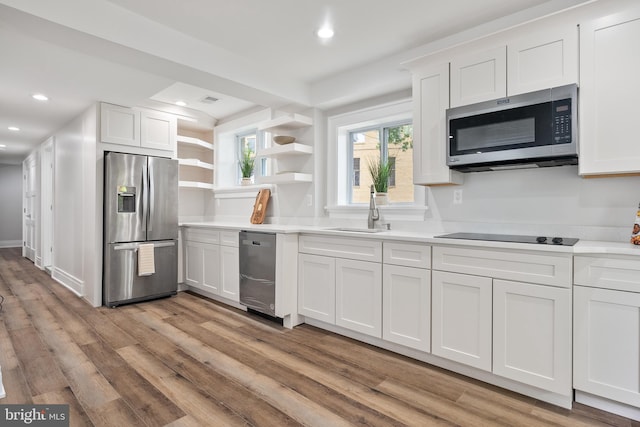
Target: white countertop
{"x":583,"y":247}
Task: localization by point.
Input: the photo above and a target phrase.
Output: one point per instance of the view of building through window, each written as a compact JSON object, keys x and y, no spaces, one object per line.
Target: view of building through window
{"x":392,"y":144}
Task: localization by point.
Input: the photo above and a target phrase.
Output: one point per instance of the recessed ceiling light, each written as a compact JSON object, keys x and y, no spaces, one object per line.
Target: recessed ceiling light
{"x":181,"y":103}
{"x":2,"y":146}
{"x":40,"y":97}
{"x":325,"y":33}
{"x":13,"y":128}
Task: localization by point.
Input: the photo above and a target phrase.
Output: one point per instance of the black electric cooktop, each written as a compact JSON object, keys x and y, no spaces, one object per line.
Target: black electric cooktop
{"x":536,"y":240}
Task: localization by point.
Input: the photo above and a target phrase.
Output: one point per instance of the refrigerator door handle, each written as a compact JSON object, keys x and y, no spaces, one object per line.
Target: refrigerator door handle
{"x":152,"y":199}
{"x":145,"y":200}
{"x":134,"y":246}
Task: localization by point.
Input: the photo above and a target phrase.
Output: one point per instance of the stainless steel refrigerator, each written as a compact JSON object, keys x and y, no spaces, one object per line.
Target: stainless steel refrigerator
{"x":140,"y":216}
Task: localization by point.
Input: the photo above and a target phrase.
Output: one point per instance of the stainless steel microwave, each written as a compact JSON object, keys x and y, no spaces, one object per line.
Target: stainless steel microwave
{"x":534,"y":129}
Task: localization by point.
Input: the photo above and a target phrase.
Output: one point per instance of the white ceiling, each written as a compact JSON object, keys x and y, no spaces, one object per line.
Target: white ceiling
{"x":248,"y":53}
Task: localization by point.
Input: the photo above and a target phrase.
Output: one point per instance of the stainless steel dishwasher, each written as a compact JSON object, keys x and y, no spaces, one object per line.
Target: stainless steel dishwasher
{"x":258,"y":271}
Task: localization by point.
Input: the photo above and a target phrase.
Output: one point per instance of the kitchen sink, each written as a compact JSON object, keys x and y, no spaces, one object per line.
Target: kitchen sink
{"x":357,"y":230}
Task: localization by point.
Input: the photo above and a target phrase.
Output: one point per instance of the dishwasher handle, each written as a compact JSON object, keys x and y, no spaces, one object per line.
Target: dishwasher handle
{"x":249,"y":242}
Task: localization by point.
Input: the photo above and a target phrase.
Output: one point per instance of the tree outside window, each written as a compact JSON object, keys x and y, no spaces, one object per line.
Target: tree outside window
{"x":390,"y":142}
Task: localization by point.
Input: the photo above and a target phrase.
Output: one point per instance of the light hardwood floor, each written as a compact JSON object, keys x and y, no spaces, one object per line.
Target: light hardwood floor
{"x":188,"y":361}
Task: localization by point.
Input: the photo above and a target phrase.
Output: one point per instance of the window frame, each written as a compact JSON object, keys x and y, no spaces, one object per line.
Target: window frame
{"x":383,"y":135}
{"x":260,"y":165}
{"x":338,"y":127}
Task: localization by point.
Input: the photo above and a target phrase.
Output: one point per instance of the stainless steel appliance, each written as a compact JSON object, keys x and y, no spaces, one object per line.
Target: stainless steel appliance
{"x":535,"y":129}
{"x":539,"y":240}
{"x":140,"y":208}
{"x":258,"y":271}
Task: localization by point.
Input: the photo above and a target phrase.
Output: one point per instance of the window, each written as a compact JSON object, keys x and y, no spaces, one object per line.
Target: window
{"x":246,"y":154}
{"x":390,"y":143}
{"x":249,"y":143}
{"x":386,"y":131}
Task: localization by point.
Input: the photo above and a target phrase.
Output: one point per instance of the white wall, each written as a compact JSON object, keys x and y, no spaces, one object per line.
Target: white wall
{"x":71,"y":205}
{"x":547,"y":201}
{"x":11,"y":206}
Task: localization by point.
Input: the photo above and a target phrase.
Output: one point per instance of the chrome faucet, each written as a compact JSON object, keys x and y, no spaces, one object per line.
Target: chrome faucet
{"x":374,"y":215}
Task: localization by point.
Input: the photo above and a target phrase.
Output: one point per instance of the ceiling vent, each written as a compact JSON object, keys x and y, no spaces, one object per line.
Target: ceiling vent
{"x":209,"y":100}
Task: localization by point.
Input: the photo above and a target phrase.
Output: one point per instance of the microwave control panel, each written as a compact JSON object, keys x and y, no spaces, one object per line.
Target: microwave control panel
{"x":562,"y":121}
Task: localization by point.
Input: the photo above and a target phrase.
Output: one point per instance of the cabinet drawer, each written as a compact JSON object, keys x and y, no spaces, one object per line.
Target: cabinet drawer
{"x":521,"y":266}
{"x":406,"y":254}
{"x":341,"y":247}
{"x":229,"y":238}
{"x":202,"y":235}
{"x":619,"y":273}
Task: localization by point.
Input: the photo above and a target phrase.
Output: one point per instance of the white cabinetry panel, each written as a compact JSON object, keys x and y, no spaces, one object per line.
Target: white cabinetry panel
{"x":317,"y":287}
{"x":359,"y":296}
{"x":480,"y":76}
{"x":607,"y":344}
{"x":230,"y":272}
{"x":342,"y":247}
{"x":430,"y":101}
{"x":461,"y":319}
{"x":211,"y":264}
{"x":157,"y":130}
{"x":407,"y":306}
{"x":532,"y":334}
{"x":119,"y":125}
{"x":193,"y":263}
{"x":543,"y":59}
{"x":619,"y":273}
{"x":554,"y":270}
{"x":407,"y":254}
{"x":609,"y":70}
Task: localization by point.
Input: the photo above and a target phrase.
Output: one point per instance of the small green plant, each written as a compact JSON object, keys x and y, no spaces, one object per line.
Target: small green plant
{"x":247,"y":162}
{"x":380,"y":171}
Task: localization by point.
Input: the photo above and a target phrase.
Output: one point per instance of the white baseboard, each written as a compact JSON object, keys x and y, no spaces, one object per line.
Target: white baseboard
{"x":10,"y":243}
{"x":70,"y":282}
{"x":608,"y":405}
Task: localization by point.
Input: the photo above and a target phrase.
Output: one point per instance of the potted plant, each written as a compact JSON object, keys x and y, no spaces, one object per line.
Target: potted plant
{"x":380,"y":171}
{"x":247,"y":161}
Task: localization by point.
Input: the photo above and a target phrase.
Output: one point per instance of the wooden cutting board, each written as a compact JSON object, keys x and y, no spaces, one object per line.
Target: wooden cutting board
{"x":260,"y":206}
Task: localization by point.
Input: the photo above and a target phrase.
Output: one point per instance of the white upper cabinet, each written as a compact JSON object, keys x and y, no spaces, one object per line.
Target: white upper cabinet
{"x":119,"y":125}
{"x":157,"y":130}
{"x":542,"y":59}
{"x":430,"y":101}
{"x":479,"y":76}
{"x":609,"y":70}
{"x":137,"y":128}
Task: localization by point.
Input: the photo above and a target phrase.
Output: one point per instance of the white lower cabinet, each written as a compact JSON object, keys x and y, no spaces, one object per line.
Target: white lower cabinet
{"x":532,"y":334}
{"x":230,"y":272}
{"x":607,"y":343}
{"x":359,"y":296}
{"x":317,"y":287}
{"x":486,"y":316}
{"x":340,"y":282}
{"x":194,"y":260}
{"x":202,"y":266}
{"x":212,"y":264}
{"x":461,"y":318}
{"x":406,"y":306}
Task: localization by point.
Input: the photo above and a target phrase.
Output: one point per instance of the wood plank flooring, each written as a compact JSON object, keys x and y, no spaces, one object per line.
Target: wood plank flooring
{"x":188,"y":361}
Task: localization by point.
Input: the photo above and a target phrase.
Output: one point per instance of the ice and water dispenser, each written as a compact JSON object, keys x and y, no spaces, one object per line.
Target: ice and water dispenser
{"x":126,"y":199}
